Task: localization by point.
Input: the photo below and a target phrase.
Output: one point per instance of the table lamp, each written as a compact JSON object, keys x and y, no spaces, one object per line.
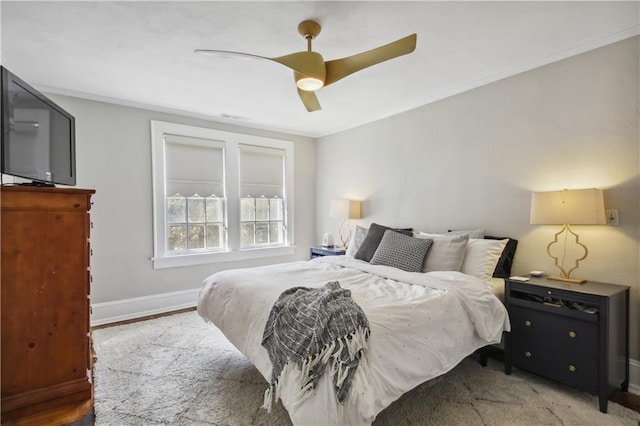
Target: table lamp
{"x":566,"y":208}
{"x":345,"y":209}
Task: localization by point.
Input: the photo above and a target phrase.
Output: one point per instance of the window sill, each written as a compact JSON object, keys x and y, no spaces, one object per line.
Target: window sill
{"x":227,"y":256}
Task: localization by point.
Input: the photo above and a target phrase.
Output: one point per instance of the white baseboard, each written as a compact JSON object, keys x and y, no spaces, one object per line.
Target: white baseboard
{"x":139,"y":307}
{"x":634,"y":376}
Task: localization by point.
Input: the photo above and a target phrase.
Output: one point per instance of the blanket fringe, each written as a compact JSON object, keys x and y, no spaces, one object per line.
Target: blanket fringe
{"x":353,"y":343}
{"x":268,"y":398}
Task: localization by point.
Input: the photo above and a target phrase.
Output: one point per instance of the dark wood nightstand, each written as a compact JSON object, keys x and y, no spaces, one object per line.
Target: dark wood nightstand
{"x":577,"y":334}
{"x":326,"y":251}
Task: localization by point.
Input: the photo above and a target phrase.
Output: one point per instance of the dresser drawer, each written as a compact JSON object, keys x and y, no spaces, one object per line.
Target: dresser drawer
{"x":571,"y":368}
{"x":557,"y":331}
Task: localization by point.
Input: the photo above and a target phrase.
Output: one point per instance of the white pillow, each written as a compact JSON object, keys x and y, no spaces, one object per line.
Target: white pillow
{"x":446,"y":253}
{"x":356,"y":240}
{"x":481,"y":257}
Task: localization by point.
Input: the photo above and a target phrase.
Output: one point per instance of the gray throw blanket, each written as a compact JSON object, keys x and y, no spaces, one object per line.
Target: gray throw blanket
{"x":312,"y":328}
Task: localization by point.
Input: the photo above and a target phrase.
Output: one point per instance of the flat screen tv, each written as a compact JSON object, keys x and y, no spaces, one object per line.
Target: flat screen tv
{"x":38,"y":136}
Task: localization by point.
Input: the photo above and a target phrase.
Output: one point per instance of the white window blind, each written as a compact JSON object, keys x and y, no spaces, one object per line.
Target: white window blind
{"x":261,"y":171}
{"x":194,"y":166}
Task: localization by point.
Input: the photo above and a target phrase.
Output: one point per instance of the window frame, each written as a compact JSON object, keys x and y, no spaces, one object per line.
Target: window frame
{"x":162,"y":258}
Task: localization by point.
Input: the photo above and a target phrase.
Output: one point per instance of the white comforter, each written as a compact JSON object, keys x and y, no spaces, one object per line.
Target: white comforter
{"x":422,"y":325}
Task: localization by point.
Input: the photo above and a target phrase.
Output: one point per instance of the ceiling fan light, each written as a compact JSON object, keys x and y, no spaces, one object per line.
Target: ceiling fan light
{"x":309,"y":84}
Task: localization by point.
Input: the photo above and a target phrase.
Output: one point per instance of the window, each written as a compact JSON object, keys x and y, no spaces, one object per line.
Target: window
{"x":219,"y":196}
{"x":262,"y":189}
{"x":194,"y":175}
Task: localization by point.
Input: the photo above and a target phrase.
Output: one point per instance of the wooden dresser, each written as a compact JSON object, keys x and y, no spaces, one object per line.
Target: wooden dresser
{"x":45,"y":280}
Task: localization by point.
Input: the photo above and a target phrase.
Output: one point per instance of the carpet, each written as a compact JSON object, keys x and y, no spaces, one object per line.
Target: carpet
{"x":177,"y":370}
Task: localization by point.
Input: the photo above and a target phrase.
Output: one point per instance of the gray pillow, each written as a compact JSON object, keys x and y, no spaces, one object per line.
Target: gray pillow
{"x":401,"y":251}
{"x":372,"y":240}
{"x":446,"y":252}
{"x":472,"y":233}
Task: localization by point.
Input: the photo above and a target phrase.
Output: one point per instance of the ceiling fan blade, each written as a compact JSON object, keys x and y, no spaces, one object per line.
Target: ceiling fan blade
{"x":309,"y":64}
{"x":340,"y":68}
{"x":228,"y":53}
{"x":310,"y":100}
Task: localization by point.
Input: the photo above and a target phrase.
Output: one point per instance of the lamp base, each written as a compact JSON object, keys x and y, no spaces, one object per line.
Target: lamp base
{"x":566,"y":279}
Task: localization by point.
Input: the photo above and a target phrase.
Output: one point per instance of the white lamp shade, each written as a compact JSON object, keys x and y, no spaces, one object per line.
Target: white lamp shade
{"x":345,"y":209}
{"x":568,"y":207}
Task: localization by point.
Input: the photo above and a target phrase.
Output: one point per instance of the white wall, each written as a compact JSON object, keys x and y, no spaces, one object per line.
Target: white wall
{"x":473,"y":160}
{"x":113,"y":149}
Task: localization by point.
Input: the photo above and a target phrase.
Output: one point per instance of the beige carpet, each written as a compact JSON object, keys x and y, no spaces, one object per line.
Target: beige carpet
{"x":177,"y":370}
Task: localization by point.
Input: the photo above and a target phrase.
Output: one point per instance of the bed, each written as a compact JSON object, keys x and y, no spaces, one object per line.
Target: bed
{"x":422,"y":324}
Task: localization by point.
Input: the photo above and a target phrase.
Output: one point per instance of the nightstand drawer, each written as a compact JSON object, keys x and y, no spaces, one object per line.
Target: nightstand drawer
{"x":570,"y":368}
{"x":326,"y":251}
{"x":558,"y":331}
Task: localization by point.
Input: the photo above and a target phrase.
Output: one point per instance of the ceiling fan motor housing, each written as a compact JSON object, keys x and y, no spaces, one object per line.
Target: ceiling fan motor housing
{"x":309,"y":29}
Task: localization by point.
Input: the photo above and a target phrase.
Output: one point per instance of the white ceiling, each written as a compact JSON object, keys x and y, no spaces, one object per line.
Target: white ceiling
{"x":141,"y":53}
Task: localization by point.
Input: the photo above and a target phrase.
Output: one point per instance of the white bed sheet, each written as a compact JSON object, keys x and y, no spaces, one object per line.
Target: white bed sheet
{"x":422,"y":325}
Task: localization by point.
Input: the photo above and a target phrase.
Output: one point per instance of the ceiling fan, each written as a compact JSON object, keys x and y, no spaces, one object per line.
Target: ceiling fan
{"x":312,"y":72}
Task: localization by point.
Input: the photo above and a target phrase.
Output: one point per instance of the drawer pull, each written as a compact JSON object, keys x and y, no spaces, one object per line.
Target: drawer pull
{"x":527,"y":354}
{"x":572,"y":334}
{"x":572,"y":368}
{"x":527,"y":323}
{"x":549,"y":292}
